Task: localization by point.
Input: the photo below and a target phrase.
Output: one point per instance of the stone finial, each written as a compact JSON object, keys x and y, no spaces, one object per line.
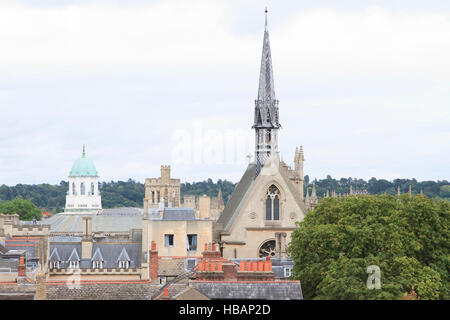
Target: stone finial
{"x":351,"y":190}
{"x":398,"y":191}
{"x":410,"y":191}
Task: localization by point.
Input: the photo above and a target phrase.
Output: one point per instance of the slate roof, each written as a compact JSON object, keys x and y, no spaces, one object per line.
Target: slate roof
{"x":179,"y":214}
{"x":237,"y":196}
{"x":109,"y":252}
{"x":54,"y":256}
{"x":74,"y":255}
{"x":73,"y":223}
{"x":123,"y":256}
{"x":286,"y":290}
{"x":97,"y":256}
{"x":123,"y":211}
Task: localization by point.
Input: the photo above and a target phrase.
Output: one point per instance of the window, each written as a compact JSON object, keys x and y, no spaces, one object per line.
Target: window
{"x":73,"y":189}
{"x":82,"y":191}
{"x":124,"y":264}
{"x":190,"y":264}
{"x":97,"y":264}
{"x":273,"y":203}
{"x":74,"y":264}
{"x":168,"y":240}
{"x":192,"y":242}
{"x":287,"y":271}
{"x":92,"y":188}
{"x":54,"y":264}
{"x":267,"y":249}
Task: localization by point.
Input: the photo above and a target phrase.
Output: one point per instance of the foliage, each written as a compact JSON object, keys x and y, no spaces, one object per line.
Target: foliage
{"x":406,"y":237}
{"x":26,"y":209}
{"x":432,"y":189}
{"x":209,"y":188}
{"x":114,"y":194}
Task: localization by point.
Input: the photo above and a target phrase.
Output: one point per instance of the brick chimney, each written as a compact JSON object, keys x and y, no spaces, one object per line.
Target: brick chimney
{"x":21,"y":268}
{"x":153,"y":263}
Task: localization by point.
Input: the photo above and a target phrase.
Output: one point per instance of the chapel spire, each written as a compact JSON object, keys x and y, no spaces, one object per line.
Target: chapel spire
{"x":83,"y":155}
{"x":266,"y":123}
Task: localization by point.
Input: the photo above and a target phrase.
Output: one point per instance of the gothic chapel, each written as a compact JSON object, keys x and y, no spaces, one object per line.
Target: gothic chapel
{"x":268,"y":200}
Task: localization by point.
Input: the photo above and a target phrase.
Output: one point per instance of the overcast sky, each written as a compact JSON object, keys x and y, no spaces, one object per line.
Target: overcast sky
{"x":362,"y":85}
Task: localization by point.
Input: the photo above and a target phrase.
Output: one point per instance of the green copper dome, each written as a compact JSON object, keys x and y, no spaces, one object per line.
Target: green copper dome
{"x":83,"y":167}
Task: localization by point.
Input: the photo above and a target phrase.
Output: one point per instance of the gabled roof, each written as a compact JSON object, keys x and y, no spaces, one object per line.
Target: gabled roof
{"x":54,"y":256}
{"x":123,"y":256}
{"x":237,"y":196}
{"x":74,"y":255}
{"x":97,"y":255}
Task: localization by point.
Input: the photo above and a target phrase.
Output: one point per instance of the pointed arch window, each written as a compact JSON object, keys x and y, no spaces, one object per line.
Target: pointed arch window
{"x":83,"y":189}
{"x":273,"y":203}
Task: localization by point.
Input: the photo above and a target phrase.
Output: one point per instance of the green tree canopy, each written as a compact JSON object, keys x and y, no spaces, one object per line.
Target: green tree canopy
{"x":26,"y":209}
{"x":406,"y":237}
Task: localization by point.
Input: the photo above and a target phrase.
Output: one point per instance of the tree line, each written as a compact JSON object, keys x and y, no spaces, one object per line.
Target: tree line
{"x":131,"y":193}
{"x":432,"y":189}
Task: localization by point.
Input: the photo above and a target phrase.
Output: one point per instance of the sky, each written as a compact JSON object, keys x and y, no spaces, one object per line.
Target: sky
{"x":363,"y":87}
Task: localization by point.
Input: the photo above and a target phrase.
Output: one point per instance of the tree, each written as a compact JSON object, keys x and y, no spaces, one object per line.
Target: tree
{"x":405,"y":237}
{"x":26,"y":209}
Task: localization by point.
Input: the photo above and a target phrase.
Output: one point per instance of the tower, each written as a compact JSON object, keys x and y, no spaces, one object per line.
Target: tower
{"x":83,"y":195}
{"x":266,"y":123}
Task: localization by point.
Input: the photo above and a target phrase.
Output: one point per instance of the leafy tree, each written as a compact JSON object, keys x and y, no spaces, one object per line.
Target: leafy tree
{"x":26,"y":209}
{"x":406,"y":237}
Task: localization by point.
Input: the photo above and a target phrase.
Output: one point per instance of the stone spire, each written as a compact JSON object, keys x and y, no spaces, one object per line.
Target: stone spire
{"x":266,"y":123}
{"x":398,"y":190}
{"x":351,"y":190}
{"x":410,"y":191}
{"x":83,"y":155}
{"x":313,"y":192}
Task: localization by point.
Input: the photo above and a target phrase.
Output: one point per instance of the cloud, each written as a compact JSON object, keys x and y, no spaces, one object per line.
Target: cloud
{"x":363,"y":88}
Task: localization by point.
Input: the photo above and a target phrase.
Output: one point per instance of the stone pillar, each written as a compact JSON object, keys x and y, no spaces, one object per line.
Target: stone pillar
{"x":86,"y":242}
{"x":41,"y":293}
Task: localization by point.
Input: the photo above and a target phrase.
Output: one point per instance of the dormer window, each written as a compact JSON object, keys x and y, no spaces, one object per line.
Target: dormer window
{"x":124,"y":264}
{"x":74,"y":259}
{"x":97,"y":259}
{"x":55,"y":259}
{"x":124,"y":259}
